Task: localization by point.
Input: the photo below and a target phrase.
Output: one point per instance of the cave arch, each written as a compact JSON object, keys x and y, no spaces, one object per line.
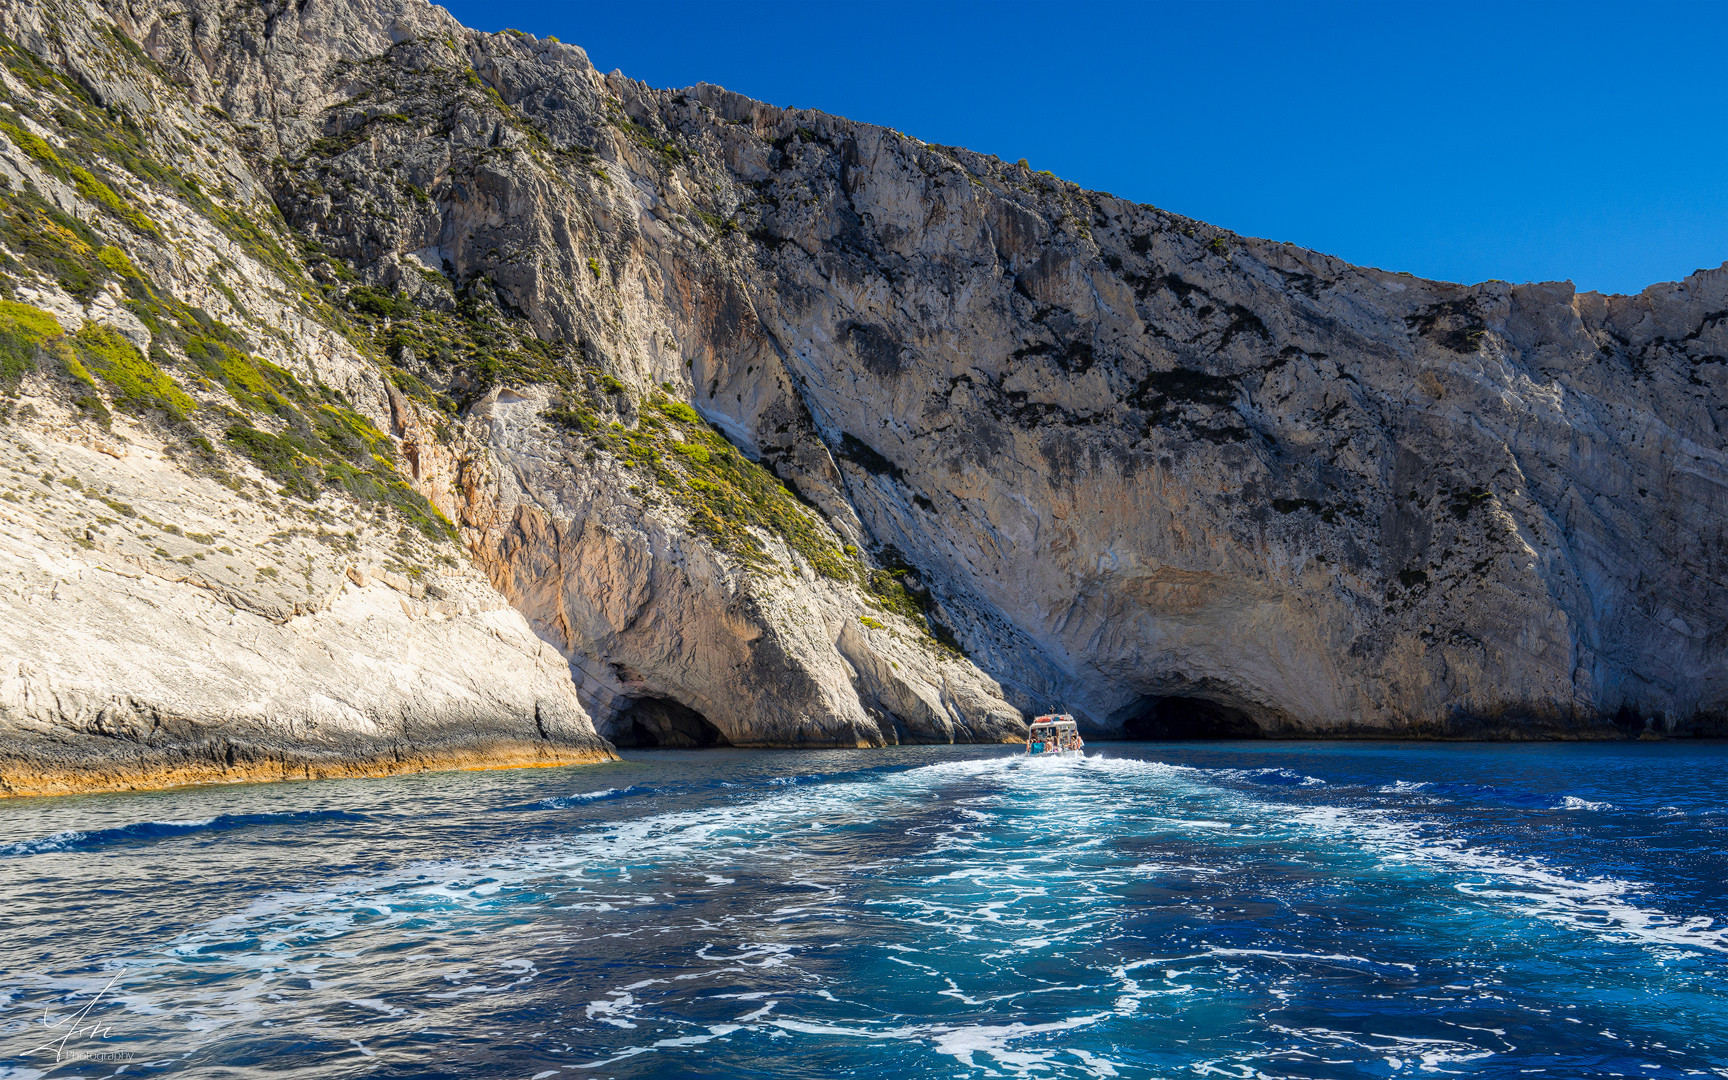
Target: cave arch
{"x":1180,"y":717}
{"x":662,"y":722}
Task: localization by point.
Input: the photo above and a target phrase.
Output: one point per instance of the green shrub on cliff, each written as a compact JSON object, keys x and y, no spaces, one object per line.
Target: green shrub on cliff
{"x":351,"y":435}
{"x":475,"y":348}
{"x":104,"y":196}
{"x":677,"y":410}
{"x":139,"y":385}
{"x":379,"y":304}
{"x":725,"y":493}
{"x":286,"y":459}
{"x":89,"y":187}
{"x":255,"y":385}
{"x":343,"y":453}
{"x":35,"y":146}
{"x":23,"y":329}
{"x":51,"y":242}
{"x":572,"y":419}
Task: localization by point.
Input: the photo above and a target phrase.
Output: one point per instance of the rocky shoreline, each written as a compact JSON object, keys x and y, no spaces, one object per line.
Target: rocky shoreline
{"x":95,"y":764}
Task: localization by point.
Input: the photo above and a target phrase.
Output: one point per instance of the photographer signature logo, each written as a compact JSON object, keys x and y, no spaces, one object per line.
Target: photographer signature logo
{"x":76,"y":1028}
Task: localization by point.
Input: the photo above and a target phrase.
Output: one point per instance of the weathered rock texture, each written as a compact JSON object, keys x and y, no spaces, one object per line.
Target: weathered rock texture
{"x":1170,"y":478}
{"x":167,"y":615}
{"x":156,"y":630}
{"x":244,"y":538}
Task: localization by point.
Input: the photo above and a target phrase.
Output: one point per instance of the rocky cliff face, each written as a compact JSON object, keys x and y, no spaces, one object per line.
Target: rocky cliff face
{"x":211,"y":567}
{"x":768,"y":421}
{"x":268,"y":504}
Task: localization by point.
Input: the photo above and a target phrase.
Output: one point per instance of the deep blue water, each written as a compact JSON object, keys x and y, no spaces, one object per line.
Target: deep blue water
{"x":1157,"y":910}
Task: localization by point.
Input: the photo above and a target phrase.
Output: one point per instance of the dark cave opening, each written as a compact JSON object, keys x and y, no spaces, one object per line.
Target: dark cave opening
{"x":1165,"y":718}
{"x":662,"y":722}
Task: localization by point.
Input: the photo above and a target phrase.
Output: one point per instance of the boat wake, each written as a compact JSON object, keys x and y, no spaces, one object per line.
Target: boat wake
{"x":980,"y":913}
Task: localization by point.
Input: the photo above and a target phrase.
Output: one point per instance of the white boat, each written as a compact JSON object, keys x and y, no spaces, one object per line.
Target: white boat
{"x":1055,"y":736}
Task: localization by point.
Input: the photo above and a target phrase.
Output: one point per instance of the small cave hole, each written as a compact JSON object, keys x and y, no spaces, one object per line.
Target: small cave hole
{"x":1164,"y":718}
{"x":662,"y":722}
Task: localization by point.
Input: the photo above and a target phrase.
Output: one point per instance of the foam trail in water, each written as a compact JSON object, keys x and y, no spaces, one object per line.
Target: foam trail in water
{"x":966,"y":878}
{"x":1601,"y":905}
{"x":1491,"y":795}
{"x":565,"y":802}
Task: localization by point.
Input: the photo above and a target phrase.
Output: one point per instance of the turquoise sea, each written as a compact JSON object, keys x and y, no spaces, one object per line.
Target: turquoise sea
{"x":1230,"y":910}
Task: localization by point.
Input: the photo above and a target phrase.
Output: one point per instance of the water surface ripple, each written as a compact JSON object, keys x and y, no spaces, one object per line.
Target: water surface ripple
{"x":1157,"y":910}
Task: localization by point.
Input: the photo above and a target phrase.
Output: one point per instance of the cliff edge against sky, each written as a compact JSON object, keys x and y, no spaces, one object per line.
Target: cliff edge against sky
{"x":383,"y":394}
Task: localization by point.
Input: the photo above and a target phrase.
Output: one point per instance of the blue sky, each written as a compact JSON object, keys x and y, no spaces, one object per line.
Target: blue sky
{"x":1461,"y":141}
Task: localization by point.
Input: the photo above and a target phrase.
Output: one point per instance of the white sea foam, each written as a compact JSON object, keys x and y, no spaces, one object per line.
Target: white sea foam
{"x":1405,"y":787}
{"x":963,"y":1042}
{"x":983,"y":870}
{"x":1274,"y":954}
{"x":591,"y":796}
{"x":1428,"y":1054}
{"x":1271,"y":777}
{"x":59,"y":841}
{"x":1604,"y":906}
{"x":616,"y":1010}
{"x":716,"y":1031}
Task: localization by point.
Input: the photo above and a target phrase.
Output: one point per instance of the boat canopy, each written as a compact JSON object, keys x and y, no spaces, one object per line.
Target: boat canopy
{"x":1054,"y":724}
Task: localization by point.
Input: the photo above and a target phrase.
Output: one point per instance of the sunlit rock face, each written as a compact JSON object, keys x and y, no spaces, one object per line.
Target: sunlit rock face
{"x":783,"y":429}
{"x":245,"y":539}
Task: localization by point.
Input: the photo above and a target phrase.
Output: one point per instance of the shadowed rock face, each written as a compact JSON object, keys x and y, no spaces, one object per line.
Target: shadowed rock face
{"x":658,"y":722}
{"x":1185,"y":718}
{"x":1167,"y":478}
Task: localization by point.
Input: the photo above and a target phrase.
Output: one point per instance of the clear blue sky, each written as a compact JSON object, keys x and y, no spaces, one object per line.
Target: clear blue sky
{"x":1460,"y":141}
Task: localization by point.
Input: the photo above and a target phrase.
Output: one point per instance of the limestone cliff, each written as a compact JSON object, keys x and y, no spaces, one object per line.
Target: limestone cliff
{"x":243,"y":537}
{"x":210,"y":566}
{"x":769,"y":420}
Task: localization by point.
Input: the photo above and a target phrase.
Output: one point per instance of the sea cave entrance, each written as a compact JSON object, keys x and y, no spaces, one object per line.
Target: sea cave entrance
{"x":662,"y":722}
{"x":1172,"y":718}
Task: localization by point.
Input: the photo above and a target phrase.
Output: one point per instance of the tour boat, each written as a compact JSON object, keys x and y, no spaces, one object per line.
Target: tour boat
{"x":1056,"y":736}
